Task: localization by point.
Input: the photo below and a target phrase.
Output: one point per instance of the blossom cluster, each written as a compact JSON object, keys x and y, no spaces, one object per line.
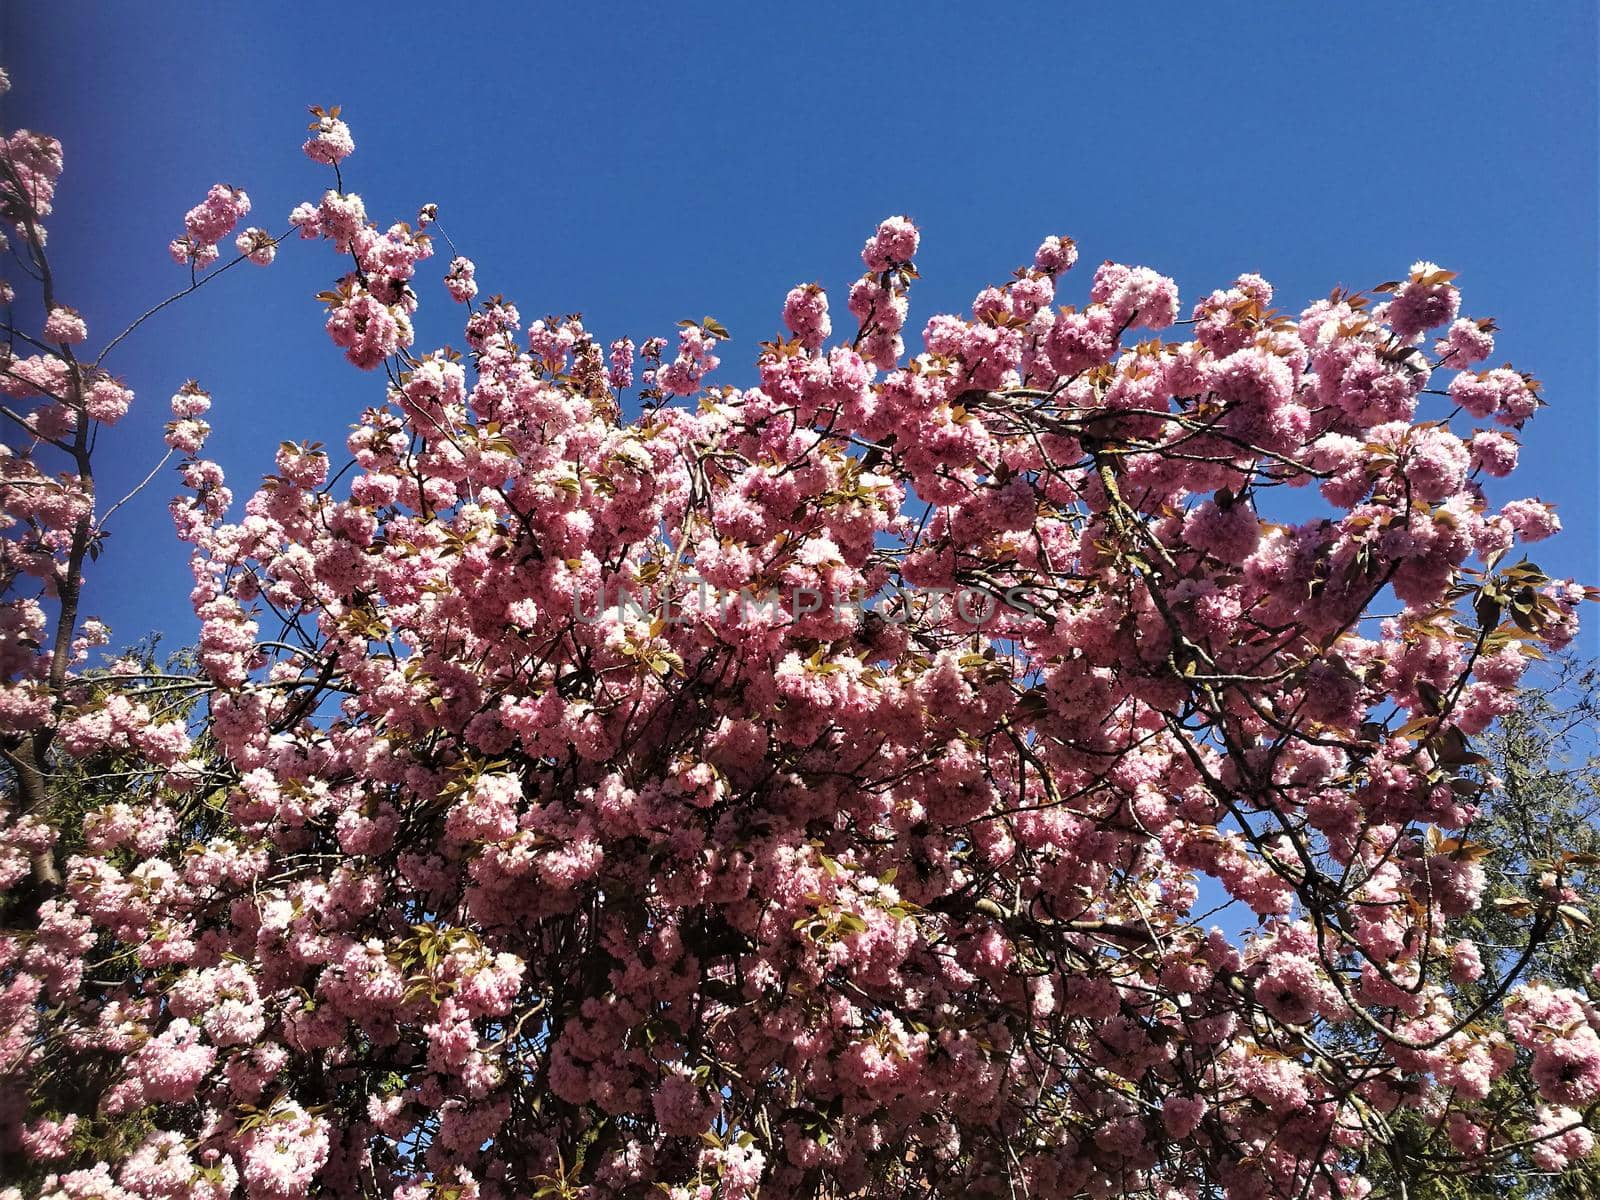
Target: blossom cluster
{"x":208,"y":222}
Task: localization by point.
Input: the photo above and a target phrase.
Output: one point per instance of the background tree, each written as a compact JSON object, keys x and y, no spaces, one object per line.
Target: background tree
{"x":1541,"y":814}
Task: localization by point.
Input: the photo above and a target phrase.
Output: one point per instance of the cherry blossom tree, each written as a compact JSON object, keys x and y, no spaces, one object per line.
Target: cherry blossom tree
{"x":1039,"y":763}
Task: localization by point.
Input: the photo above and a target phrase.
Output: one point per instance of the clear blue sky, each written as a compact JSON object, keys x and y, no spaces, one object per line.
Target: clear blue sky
{"x":644,"y":163}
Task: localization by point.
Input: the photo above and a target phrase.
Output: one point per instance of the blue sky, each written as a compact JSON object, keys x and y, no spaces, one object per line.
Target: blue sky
{"x":646,"y":163}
